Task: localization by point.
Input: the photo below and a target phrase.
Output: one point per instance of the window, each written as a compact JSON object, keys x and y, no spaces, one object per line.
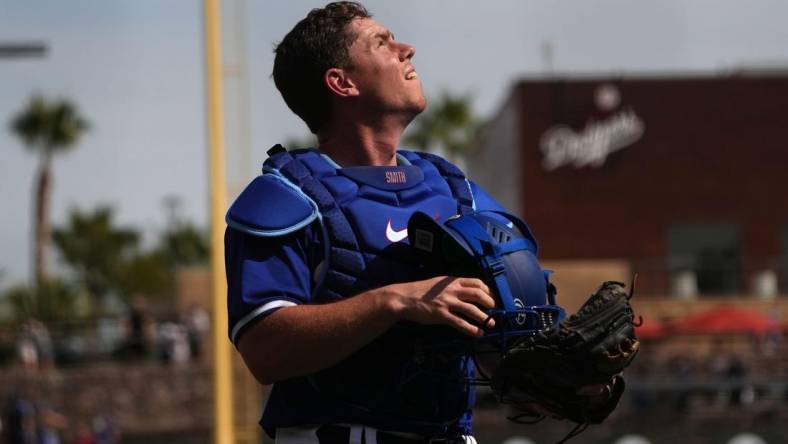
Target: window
{"x":705,"y":259}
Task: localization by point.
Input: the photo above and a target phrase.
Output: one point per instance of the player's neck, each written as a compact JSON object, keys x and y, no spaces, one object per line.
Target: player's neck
{"x":357,"y":143}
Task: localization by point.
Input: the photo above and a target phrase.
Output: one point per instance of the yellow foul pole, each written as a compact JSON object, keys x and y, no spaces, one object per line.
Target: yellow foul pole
{"x":222,"y":377}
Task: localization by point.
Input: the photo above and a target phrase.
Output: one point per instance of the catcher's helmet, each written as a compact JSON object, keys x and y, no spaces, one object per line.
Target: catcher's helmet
{"x":487,"y":245}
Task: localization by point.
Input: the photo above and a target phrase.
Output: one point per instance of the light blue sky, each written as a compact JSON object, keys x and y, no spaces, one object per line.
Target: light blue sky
{"x":134,"y":67}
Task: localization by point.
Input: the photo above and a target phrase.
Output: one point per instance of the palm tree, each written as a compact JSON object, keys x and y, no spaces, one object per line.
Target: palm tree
{"x":46,"y":128}
{"x":448,"y":125}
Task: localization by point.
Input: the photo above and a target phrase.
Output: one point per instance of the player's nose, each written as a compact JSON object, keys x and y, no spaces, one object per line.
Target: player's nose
{"x":406,"y":51}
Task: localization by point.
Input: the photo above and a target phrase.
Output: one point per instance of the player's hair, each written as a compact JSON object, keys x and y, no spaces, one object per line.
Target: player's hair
{"x":317,"y":43}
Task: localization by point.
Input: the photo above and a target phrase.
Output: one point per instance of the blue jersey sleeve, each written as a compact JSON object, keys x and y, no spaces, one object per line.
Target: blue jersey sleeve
{"x":265,"y":274}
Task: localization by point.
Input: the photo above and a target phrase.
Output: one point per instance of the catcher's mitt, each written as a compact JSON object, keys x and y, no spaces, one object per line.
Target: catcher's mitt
{"x":554,"y":372}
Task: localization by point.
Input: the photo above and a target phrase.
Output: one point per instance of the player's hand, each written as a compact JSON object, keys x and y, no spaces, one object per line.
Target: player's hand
{"x":452,"y":301}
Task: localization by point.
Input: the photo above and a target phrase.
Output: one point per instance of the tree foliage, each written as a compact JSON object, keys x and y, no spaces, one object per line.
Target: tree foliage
{"x":146,"y":273}
{"x":184,"y":244}
{"x":106,"y":259}
{"x":95,"y":249}
{"x":448,"y":125}
{"x":54,"y":300}
{"x":48,"y":126}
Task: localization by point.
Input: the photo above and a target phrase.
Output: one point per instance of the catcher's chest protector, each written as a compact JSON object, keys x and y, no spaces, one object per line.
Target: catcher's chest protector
{"x":364,"y":213}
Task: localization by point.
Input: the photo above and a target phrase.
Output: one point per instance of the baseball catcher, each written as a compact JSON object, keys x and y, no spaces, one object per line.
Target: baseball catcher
{"x":536,"y":359}
{"x":361,"y":339}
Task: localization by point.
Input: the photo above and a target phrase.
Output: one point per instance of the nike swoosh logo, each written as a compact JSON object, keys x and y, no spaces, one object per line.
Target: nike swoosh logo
{"x":395,"y":235}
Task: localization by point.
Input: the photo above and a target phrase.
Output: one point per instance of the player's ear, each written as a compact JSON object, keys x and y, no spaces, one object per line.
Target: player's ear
{"x":339,"y":82}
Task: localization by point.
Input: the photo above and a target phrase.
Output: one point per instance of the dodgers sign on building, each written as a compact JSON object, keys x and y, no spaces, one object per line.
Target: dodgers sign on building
{"x":561,"y":145}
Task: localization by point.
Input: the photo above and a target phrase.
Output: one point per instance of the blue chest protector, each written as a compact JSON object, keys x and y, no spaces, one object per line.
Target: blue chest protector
{"x":363,"y":213}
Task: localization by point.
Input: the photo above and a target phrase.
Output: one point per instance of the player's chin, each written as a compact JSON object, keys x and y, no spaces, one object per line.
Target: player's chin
{"x":410,"y":108}
{"x":422,"y":103}
{"x":418,"y":104}
{"x":413,"y":94}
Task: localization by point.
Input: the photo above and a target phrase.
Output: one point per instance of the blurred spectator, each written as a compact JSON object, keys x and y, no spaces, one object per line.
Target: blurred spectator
{"x":34,"y":346}
{"x":26,"y":350}
{"x":770,"y":344}
{"x":682,"y":368}
{"x":139,"y":329}
{"x":642,"y":370}
{"x":198,"y":322}
{"x":50,"y":423}
{"x":84,"y":435}
{"x":20,"y":421}
{"x":173,"y":343}
{"x":104,"y":430}
{"x":736,"y":371}
{"x":43,"y":340}
{"x":718,"y":364}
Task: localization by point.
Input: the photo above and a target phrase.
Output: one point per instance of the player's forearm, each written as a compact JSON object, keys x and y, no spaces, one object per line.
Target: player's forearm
{"x":300,"y":340}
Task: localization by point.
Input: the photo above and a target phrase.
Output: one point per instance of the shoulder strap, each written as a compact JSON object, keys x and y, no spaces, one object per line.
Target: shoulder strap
{"x":454,"y":177}
{"x":342,"y":252}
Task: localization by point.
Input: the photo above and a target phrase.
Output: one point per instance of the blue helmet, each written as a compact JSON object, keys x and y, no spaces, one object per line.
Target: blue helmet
{"x":500,"y":249}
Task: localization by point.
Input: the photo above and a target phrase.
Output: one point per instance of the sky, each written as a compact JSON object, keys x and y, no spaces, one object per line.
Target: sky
{"x":135,"y":70}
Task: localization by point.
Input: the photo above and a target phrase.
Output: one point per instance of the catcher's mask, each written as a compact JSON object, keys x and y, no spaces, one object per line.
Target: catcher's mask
{"x":498,"y":248}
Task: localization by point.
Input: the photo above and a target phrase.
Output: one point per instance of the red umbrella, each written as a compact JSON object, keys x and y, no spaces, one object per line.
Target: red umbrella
{"x":726,"y":319}
{"x":650,"y":329}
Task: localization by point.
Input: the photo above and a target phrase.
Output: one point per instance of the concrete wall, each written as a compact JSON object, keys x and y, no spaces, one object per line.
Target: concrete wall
{"x":148,"y":402}
{"x":494,"y":164}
